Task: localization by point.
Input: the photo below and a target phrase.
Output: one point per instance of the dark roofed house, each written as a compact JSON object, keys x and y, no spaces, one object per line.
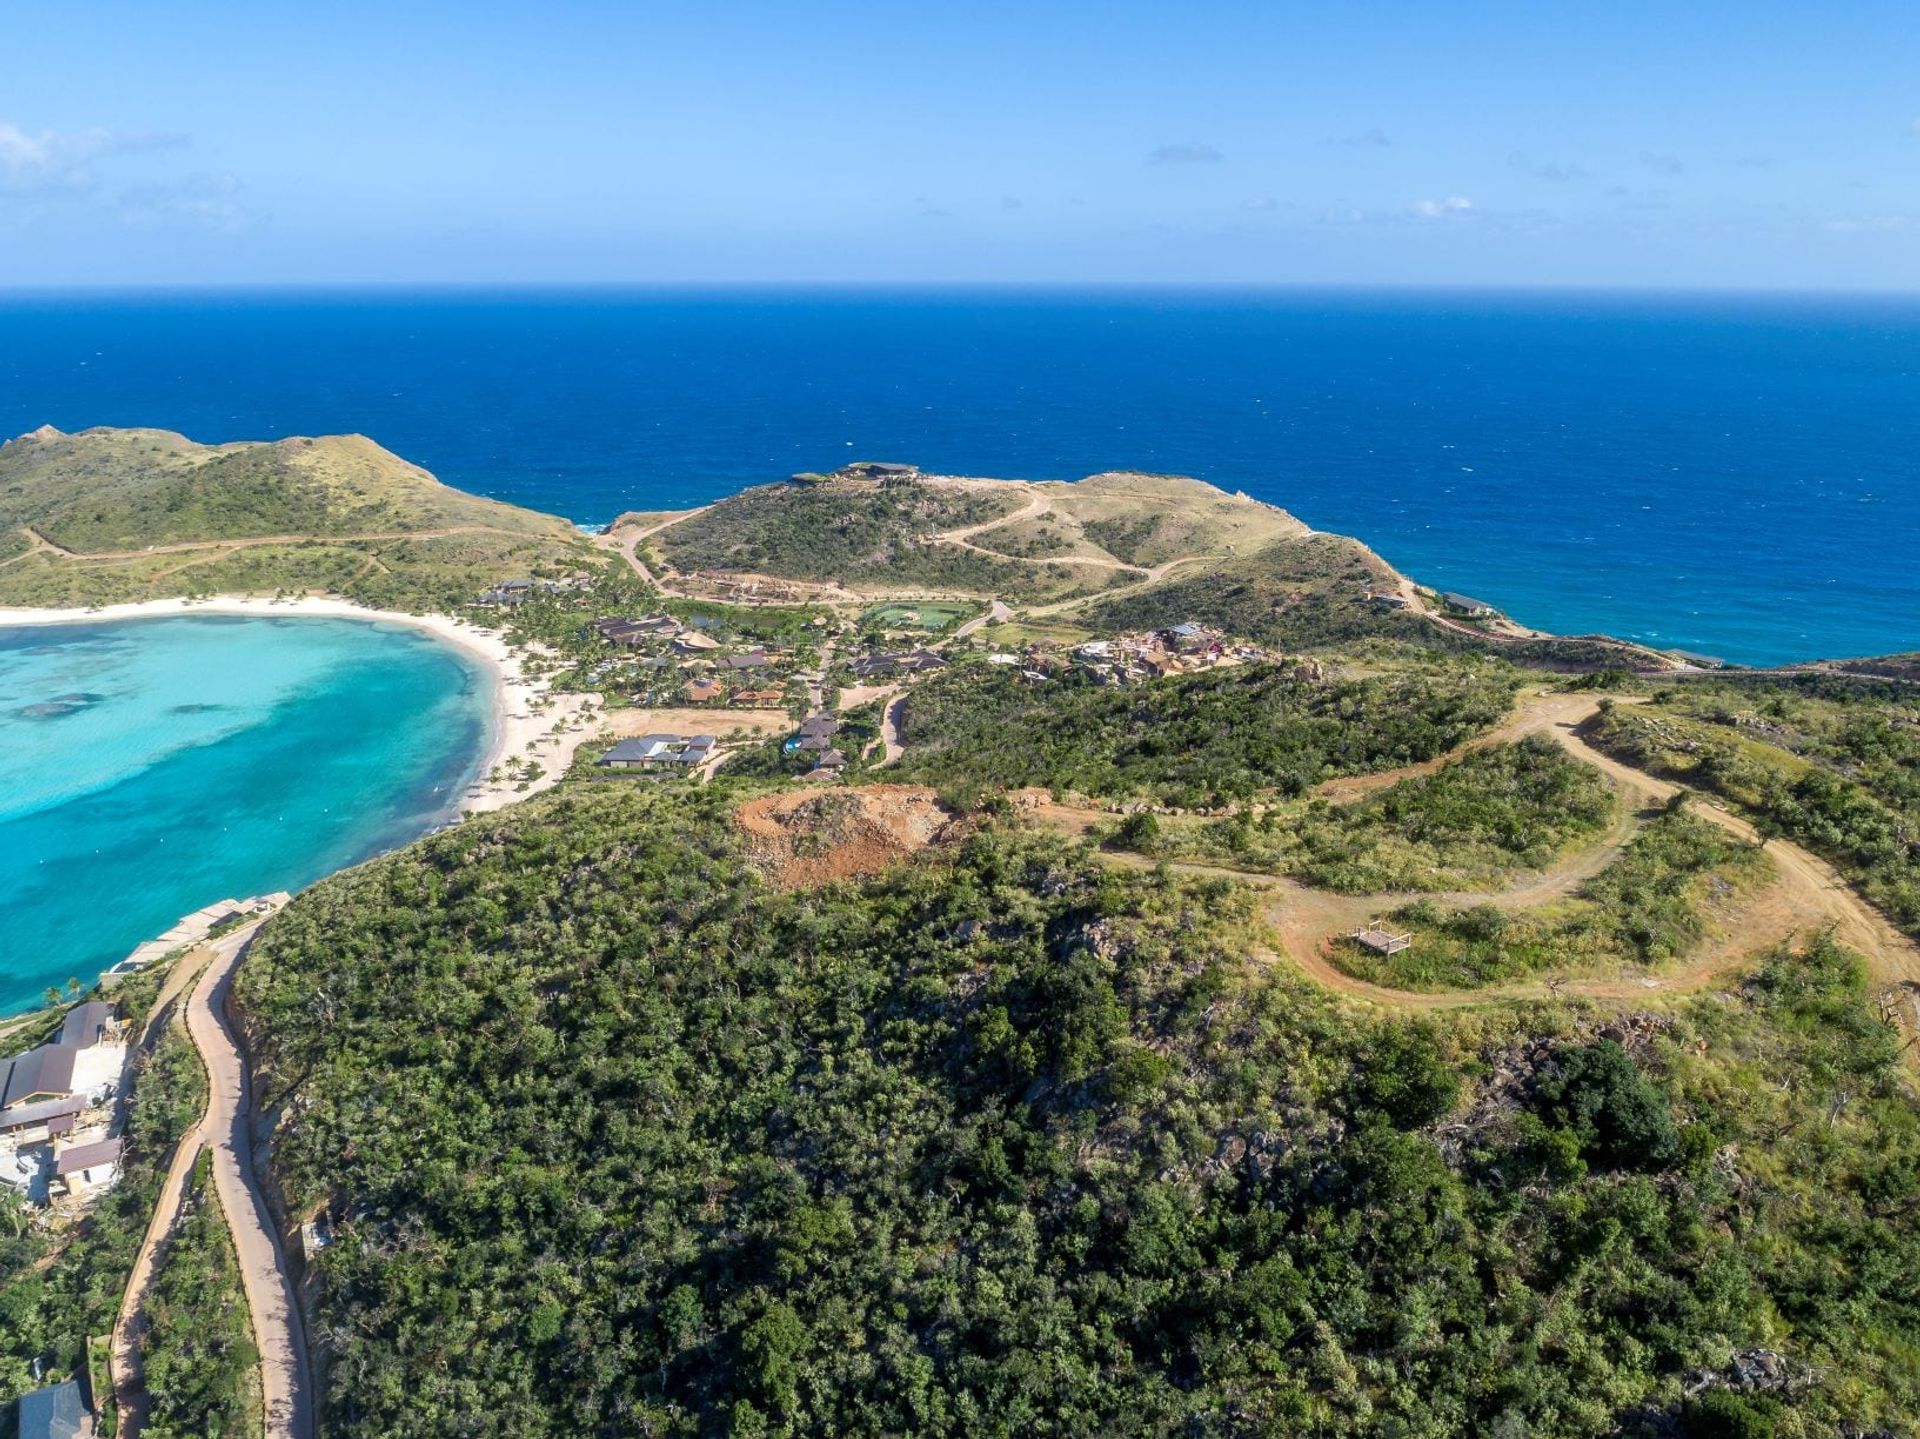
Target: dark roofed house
{"x":831,"y":760}
{"x":41,"y":1114}
{"x":660,"y":751}
{"x":752,"y":660}
{"x":1468,"y":606}
{"x":87,"y":1024}
{"x":58,"y":1411}
{"x":88,"y":1166}
{"x":43,"y":1073}
{"x":879,"y":470}
{"x":819,"y":724}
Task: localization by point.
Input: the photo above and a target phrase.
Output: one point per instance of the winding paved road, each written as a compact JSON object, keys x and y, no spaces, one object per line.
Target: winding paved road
{"x":286,"y":1376}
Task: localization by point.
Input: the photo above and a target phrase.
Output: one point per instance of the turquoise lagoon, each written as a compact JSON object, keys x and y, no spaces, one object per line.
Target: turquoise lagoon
{"x":151,"y":766}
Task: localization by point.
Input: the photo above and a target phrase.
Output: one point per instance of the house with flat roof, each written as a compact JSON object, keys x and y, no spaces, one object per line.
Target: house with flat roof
{"x":1380,"y":939}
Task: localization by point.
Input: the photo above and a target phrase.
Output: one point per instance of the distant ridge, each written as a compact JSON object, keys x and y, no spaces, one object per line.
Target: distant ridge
{"x":106,"y":515}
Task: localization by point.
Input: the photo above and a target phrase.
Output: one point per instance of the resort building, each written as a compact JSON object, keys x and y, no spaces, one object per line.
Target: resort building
{"x":661,"y":752}
{"x":884,"y":666}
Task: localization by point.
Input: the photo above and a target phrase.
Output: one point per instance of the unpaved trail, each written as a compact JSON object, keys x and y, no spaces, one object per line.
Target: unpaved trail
{"x":1038,"y":506}
{"x":125,"y":1361}
{"x":891,"y":747}
{"x":1805,"y":895}
{"x":186,"y":547}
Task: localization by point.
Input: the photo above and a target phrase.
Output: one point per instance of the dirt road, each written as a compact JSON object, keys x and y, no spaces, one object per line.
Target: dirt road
{"x":1806,"y":895}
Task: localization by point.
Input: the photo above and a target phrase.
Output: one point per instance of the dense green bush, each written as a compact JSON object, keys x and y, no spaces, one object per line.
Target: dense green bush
{"x":1008,"y":1141}
{"x":1471,"y":822}
{"x":1206,"y":738}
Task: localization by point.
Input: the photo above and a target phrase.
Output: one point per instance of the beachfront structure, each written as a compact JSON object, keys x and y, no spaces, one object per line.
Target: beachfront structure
{"x":1467,"y":605}
{"x":83,"y":1168}
{"x":193,"y":928}
{"x":660,"y":752}
{"x":1381,"y":940}
{"x":633,"y":633}
{"x":58,"y":1411}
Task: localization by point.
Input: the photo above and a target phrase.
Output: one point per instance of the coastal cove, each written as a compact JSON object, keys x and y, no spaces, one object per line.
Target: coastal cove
{"x":156,"y":759}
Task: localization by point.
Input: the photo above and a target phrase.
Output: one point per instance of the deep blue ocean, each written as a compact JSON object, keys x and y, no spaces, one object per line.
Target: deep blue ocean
{"x":1730,"y":475}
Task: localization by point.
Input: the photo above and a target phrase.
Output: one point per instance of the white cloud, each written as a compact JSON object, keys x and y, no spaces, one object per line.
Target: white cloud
{"x":1260,"y":203}
{"x":1452,"y":206}
{"x":54,"y":162}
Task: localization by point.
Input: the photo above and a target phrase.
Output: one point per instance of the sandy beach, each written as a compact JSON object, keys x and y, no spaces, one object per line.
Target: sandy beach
{"x":529,"y":723}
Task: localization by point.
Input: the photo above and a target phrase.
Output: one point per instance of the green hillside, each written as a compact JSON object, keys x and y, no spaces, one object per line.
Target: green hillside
{"x":109,"y":515}
{"x":615,"y":1137}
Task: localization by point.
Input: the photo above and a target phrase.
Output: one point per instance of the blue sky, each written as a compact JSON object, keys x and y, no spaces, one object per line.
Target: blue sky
{"x":1763,"y":144}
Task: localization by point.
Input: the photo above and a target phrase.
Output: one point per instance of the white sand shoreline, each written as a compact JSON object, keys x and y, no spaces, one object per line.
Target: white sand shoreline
{"x":529,"y":722}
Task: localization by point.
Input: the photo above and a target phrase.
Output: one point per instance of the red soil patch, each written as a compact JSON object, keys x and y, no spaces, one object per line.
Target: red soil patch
{"x":804,"y":838}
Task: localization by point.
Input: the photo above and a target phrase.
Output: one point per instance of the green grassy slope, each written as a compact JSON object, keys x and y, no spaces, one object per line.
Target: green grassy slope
{"x":110,"y":515}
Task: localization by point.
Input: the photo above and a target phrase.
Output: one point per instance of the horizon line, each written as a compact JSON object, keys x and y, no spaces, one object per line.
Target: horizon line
{"x":10,"y":291}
